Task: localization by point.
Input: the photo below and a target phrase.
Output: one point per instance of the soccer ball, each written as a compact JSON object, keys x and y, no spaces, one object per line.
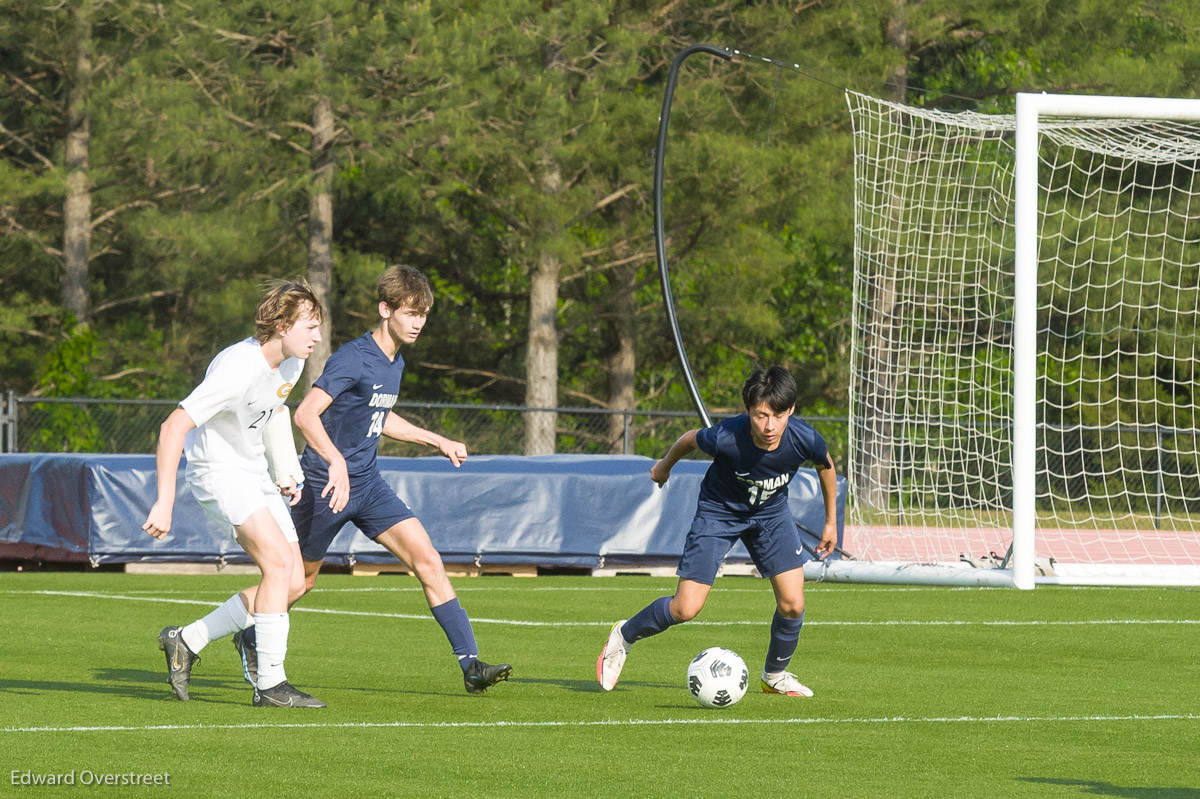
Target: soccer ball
{"x":717,"y":677}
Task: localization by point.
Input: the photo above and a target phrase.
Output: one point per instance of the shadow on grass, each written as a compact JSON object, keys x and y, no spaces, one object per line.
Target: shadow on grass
{"x":153,"y":685}
{"x":132,"y":683}
{"x":586,"y":686}
{"x":320,"y":690}
{"x":1097,"y":788}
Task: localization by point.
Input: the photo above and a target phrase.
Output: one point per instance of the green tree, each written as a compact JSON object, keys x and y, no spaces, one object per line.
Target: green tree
{"x":504,"y":148}
{"x":523,"y":155}
{"x":67,"y":194}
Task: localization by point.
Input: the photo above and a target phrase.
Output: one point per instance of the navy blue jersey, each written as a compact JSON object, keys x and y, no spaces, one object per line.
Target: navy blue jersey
{"x":745,"y":479}
{"x":364,"y":384}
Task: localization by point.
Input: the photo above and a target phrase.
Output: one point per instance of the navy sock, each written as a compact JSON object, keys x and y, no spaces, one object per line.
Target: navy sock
{"x":457,"y":627}
{"x":650,"y":620}
{"x":785,"y":633}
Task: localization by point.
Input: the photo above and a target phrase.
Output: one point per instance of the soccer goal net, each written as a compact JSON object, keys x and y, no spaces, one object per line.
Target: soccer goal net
{"x":1026,"y":320}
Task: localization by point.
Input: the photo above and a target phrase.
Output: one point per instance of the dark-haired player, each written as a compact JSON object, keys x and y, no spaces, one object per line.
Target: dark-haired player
{"x":743,"y":496}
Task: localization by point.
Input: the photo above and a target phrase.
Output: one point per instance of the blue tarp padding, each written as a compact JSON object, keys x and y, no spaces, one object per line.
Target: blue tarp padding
{"x":552,"y":510}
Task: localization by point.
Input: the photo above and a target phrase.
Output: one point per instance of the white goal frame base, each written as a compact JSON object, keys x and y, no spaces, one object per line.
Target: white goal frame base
{"x":966,"y":575}
{"x":899,"y":573}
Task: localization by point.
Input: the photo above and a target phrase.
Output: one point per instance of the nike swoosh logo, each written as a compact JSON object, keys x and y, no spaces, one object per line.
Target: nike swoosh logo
{"x":175,"y":664}
{"x":799,"y":551}
{"x":288,"y":703}
{"x":376,"y":388}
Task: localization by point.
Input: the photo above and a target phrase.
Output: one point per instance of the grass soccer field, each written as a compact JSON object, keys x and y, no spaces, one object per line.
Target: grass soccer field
{"x":920,"y":692}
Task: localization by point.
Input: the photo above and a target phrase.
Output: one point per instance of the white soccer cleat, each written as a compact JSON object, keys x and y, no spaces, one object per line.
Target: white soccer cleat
{"x":784,"y":682}
{"x":612,"y":657}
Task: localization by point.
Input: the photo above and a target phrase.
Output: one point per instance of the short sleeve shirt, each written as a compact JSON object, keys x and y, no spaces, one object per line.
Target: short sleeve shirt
{"x":230,"y":407}
{"x":364,"y":384}
{"x":745,"y":479}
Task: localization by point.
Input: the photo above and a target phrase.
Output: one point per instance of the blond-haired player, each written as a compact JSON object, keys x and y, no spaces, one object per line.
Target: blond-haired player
{"x":219,"y":426}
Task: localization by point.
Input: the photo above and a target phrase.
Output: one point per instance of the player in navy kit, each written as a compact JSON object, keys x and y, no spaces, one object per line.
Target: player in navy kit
{"x":342,"y":417}
{"x":743,"y":496}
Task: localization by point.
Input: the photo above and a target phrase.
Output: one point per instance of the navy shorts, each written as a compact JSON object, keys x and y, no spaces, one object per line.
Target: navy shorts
{"x":373,"y":508}
{"x":772,"y":541}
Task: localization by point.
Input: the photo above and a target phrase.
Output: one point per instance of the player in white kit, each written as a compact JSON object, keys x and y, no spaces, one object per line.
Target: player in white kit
{"x":220,"y":428}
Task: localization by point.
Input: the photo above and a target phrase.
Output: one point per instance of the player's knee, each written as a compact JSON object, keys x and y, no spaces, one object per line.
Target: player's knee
{"x":685,"y":611}
{"x":310,"y":580}
{"x":276,"y":563}
{"x":428,"y":567}
{"x":297,"y":588}
{"x":791,"y":609}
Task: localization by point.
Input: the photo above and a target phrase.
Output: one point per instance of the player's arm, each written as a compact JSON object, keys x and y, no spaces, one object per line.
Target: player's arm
{"x":400,"y":429}
{"x":683,"y":446}
{"x":827,"y":475}
{"x":166,"y":460}
{"x":282,"y":462}
{"x":308,"y":419}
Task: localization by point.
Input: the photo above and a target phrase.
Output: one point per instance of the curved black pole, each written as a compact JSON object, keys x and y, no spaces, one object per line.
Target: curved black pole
{"x":660,"y":245}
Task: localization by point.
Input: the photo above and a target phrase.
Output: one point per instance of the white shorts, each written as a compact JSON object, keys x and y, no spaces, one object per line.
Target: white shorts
{"x":230,"y":496}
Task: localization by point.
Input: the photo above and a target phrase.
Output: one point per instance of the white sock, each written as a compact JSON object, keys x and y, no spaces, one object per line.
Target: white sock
{"x":225,"y":620}
{"x":271,"y":635}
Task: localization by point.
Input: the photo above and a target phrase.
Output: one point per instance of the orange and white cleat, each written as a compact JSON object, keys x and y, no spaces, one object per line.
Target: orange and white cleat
{"x":612,"y":658}
{"x":785,"y":683}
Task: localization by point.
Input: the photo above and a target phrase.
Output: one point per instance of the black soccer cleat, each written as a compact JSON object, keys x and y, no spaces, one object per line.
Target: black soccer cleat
{"x":180,"y":660}
{"x":284,"y":695}
{"x":479,"y":676}
{"x":246,"y":645}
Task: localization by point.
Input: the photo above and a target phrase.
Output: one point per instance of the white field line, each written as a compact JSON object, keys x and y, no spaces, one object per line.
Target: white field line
{"x":522,"y":623}
{"x":651,"y":587}
{"x":608,"y":723}
{"x":666,"y":583}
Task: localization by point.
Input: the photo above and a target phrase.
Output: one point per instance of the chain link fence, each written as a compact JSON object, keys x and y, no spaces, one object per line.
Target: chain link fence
{"x":79,"y":424}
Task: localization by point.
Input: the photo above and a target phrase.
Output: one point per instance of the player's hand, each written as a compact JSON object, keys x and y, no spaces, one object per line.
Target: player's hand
{"x":456,"y":451}
{"x":292,"y":492}
{"x":828,"y":541}
{"x":158,"y":521}
{"x":659,"y":473}
{"x":338,"y":487}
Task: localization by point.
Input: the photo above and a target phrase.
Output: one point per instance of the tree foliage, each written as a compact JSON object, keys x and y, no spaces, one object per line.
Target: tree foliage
{"x":505,"y":148}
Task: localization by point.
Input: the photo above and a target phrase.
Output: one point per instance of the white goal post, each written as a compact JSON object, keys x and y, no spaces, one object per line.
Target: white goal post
{"x":1025,"y":380}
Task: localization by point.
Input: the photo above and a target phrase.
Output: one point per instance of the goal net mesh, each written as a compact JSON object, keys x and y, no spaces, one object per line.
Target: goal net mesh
{"x":1118,"y":323}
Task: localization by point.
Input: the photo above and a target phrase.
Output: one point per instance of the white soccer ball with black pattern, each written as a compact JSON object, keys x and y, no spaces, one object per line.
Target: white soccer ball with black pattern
{"x":717,"y":677}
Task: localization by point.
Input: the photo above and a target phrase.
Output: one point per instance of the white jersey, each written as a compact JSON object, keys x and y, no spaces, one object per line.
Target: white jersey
{"x":230,"y":407}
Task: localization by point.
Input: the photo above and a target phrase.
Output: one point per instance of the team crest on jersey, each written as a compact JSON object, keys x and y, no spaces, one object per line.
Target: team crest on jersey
{"x":284,"y":390}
